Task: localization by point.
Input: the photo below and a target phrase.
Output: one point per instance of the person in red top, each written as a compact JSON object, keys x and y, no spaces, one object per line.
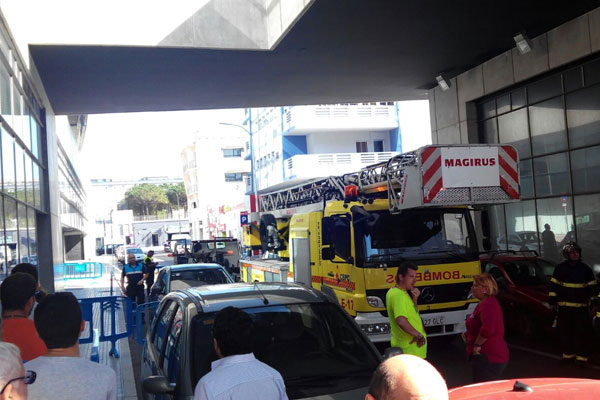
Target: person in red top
{"x":17,"y":297}
{"x":486,"y":349}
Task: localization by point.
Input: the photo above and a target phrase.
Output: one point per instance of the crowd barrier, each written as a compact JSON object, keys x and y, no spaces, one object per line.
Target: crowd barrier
{"x":107,"y":307}
{"x":82,"y":270}
{"x":147,"y":310}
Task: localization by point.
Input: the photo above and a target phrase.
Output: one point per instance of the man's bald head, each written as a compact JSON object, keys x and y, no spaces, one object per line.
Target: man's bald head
{"x":407,"y":377}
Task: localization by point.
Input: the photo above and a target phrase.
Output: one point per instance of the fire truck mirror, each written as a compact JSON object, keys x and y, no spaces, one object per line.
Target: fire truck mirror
{"x":327,"y":253}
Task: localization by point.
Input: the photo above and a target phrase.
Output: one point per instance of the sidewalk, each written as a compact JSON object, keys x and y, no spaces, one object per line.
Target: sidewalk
{"x":100,"y":287}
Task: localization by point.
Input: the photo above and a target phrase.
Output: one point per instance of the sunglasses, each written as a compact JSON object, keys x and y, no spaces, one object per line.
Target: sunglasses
{"x":29,"y":378}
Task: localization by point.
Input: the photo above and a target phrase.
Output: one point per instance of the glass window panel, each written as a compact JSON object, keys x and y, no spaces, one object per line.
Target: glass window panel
{"x":558,"y":213}
{"x":591,"y":72}
{"x":526,"y":175}
{"x":503,"y":104}
{"x":10,"y":221}
{"x":35,"y":137}
{"x":544,"y":89}
{"x":520,"y":226}
{"x":3,"y":262}
{"x":26,"y":126}
{"x":513,"y":129}
{"x":573,"y":79}
{"x":487,"y":109}
{"x":583,"y":116}
{"x":519,"y":98}
{"x":20,"y":173}
{"x":17,"y":123}
{"x":23,"y":240}
{"x":552,"y":175}
{"x":37,"y":195}
{"x":488,"y":131}
{"x":5,"y":94}
{"x":4,"y":46}
{"x":8,"y":162}
{"x":31,"y":226}
{"x":548,"y":130}
{"x":28,"y":180}
{"x":587,"y":221}
{"x":585,"y":168}
{"x":497,"y":227}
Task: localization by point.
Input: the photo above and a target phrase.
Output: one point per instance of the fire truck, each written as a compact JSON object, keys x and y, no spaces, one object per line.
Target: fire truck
{"x":347,"y":235}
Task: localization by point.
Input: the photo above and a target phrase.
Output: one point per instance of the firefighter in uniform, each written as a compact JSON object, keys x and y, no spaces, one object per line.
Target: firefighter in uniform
{"x":136,"y":275}
{"x":150,"y":267}
{"x":572,"y":287}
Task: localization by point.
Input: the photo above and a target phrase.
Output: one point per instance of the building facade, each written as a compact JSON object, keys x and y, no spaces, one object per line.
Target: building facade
{"x":214,"y":170}
{"x":299,"y":142}
{"x":546,"y":103}
{"x":43,"y":202}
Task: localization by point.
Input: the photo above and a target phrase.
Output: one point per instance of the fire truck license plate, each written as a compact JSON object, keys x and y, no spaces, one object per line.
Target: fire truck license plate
{"x":434,"y":321}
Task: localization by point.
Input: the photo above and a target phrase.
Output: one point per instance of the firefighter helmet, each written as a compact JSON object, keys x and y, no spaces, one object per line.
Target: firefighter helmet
{"x":570,"y":246}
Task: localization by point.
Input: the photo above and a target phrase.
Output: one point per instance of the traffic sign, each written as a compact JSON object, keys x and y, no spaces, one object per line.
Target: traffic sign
{"x":243,"y":219}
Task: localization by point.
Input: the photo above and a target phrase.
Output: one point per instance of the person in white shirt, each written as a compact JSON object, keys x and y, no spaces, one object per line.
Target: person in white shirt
{"x":61,"y":373}
{"x":238,"y":375}
{"x":13,"y":377}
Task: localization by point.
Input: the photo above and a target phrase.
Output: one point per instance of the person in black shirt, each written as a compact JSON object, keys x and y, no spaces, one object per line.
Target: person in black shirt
{"x":572,"y":287}
{"x":150,"y":267}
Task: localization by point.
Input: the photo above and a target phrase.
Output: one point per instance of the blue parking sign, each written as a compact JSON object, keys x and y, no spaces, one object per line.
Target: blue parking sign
{"x":243,"y":219}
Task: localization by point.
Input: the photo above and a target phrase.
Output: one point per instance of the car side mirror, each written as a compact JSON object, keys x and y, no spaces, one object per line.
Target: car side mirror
{"x":157,"y":385}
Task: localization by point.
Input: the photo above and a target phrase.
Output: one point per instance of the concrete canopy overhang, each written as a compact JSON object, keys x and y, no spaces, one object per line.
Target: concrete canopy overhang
{"x":338,"y":51}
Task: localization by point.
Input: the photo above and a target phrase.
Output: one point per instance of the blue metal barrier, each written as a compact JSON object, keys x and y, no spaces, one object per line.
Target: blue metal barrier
{"x":82,"y":270}
{"x":140,"y":310}
{"x":111,"y":304}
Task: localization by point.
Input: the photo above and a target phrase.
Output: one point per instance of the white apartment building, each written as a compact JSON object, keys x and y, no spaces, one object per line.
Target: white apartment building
{"x":320,"y":140}
{"x":214,"y":171}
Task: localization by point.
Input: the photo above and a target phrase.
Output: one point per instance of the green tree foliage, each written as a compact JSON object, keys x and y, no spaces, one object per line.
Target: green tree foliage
{"x":146,"y":199}
{"x":173,"y":192}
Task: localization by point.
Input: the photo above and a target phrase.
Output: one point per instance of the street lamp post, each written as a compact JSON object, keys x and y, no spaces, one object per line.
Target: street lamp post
{"x":254,"y":189}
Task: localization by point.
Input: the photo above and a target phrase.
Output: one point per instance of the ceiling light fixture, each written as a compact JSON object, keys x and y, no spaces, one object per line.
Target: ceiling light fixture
{"x":442,"y":82}
{"x":523,"y":43}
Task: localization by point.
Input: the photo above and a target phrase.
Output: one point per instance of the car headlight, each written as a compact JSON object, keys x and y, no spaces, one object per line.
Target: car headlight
{"x":375,"y":301}
{"x":376,"y":329}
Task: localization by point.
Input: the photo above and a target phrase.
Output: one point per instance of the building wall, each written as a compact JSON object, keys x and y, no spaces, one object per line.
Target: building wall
{"x":540,"y":102}
{"x":344,"y":142}
{"x":214,"y":203}
{"x":452,"y":112}
{"x":46,"y":182}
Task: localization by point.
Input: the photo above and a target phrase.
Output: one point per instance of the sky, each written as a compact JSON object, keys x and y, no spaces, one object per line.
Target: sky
{"x":137,"y":145}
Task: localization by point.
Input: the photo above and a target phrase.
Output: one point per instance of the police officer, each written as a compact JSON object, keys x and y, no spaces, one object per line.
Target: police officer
{"x":136,"y":274}
{"x":150,"y":267}
{"x":572,"y":287}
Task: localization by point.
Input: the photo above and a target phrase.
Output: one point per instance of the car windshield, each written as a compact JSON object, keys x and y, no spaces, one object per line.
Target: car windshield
{"x":315,"y":347}
{"x":528,"y":272}
{"x":186,"y":279}
{"x":135,"y":251}
{"x":416,"y":235}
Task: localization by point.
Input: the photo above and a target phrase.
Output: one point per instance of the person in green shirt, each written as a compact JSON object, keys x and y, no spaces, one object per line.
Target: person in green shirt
{"x":408,"y":332}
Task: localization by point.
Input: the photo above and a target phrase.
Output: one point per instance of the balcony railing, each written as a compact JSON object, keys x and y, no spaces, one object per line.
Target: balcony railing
{"x":348,"y":117}
{"x":316,"y":165}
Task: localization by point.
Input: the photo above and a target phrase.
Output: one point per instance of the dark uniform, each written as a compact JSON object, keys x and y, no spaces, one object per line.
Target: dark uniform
{"x":573,"y":286}
{"x":134,"y":274}
{"x":150,"y":267}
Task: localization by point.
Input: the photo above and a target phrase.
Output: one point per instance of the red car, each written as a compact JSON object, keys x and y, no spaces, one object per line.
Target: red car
{"x":530,"y":388}
{"x":524,"y":283}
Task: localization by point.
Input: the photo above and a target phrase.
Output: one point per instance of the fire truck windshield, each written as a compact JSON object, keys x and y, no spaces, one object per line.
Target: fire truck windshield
{"x":439,"y":235}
